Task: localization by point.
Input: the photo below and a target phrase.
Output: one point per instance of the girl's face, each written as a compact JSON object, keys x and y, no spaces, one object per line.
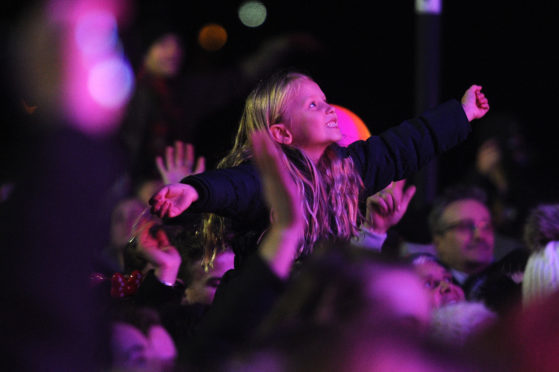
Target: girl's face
{"x":310,"y":119}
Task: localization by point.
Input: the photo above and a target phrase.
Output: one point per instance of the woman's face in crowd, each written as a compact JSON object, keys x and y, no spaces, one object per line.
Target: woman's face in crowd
{"x":439,"y":284}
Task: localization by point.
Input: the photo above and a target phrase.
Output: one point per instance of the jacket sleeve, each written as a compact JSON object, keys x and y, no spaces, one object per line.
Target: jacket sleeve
{"x":231,"y":192}
{"x":401,"y":151}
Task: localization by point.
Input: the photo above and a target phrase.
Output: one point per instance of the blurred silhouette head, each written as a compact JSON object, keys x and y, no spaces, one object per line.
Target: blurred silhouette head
{"x":139,"y":342}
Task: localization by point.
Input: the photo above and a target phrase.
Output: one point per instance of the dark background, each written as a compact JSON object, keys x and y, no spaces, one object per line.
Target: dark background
{"x":369,"y":56}
{"x":55,"y":222}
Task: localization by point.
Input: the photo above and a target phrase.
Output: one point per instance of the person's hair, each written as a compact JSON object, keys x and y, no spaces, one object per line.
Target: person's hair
{"x":327,"y":211}
{"x":140,"y":317}
{"x":451,"y":195}
{"x":542,"y":226}
{"x":330,"y":287}
{"x":459,"y":322}
{"x":420,"y":258}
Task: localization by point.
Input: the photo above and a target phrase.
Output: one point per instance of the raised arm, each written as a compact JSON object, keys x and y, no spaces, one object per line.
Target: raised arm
{"x":153,"y":245}
{"x":402,"y":150}
{"x":281,"y":242}
{"x":234,"y":192}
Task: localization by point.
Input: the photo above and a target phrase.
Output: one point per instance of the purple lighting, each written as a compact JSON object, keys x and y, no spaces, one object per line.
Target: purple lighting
{"x":96,"y":33}
{"x":98,"y":79}
{"x":110,"y":82}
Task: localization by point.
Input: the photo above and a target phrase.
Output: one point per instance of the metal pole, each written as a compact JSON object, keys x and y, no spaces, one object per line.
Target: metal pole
{"x":427,"y":85}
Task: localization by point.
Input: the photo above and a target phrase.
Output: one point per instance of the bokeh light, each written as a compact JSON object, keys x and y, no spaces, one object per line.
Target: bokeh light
{"x":96,"y":32}
{"x":351,"y":126}
{"x":212,"y":37}
{"x":252,"y":13}
{"x":97,"y":79}
{"x":110,"y":82}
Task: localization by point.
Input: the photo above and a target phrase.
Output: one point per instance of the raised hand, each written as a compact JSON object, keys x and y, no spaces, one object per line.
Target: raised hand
{"x":280,"y":245}
{"x":172,"y":200}
{"x":279,"y":189}
{"x":179,"y":163}
{"x":475,"y":103}
{"x":153,"y":244}
{"x":387,"y":207}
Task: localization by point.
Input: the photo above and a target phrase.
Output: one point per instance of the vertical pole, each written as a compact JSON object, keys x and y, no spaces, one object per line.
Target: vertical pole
{"x":427,"y":80}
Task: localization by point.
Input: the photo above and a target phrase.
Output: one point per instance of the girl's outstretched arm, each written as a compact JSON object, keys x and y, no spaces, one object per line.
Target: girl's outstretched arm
{"x":402,"y":150}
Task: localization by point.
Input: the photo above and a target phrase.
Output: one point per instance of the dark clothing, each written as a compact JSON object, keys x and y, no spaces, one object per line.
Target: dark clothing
{"x":178,"y":319}
{"x":153,"y":120}
{"x":495,"y":286}
{"x":395,"y":154}
{"x":164,"y":110}
{"x":206,"y":334}
{"x":247,"y":293}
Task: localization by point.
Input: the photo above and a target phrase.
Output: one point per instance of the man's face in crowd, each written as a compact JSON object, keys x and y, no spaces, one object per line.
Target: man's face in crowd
{"x":465,"y":238}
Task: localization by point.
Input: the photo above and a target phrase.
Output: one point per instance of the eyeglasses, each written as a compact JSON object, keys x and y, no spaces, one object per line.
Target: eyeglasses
{"x":468,"y":226}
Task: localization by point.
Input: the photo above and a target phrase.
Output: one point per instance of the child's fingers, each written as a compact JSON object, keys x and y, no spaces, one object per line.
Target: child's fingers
{"x":160,"y":165}
{"x":378,"y":204}
{"x":408,"y":195}
{"x":162,"y":238}
{"x":383,"y":207}
{"x":155,"y":201}
{"x":390,"y":201}
{"x":179,"y":153}
{"x":189,"y":156}
{"x":169,"y":155}
{"x":398,"y":185}
{"x":200,"y":165}
{"x":164,"y":209}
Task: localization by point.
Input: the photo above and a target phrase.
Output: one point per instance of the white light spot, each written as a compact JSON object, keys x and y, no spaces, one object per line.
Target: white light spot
{"x":96,"y":32}
{"x":252,"y":13}
{"x":110,"y":82}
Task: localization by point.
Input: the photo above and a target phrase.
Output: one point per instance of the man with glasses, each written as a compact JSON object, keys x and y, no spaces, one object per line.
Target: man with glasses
{"x":464,"y":238}
{"x":462,"y":232}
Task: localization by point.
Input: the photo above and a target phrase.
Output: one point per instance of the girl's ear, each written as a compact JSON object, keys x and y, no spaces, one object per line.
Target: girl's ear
{"x":281,"y":134}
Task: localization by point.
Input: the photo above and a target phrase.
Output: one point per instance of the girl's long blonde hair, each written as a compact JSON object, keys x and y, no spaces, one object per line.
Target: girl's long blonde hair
{"x":330,"y":188}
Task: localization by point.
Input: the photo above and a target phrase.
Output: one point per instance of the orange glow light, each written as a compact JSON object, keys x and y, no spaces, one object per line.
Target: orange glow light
{"x":351,"y":126}
{"x":212,"y":37}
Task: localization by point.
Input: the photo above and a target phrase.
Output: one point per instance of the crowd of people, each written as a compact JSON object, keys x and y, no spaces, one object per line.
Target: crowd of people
{"x":280,"y":252}
{"x":285,"y":254}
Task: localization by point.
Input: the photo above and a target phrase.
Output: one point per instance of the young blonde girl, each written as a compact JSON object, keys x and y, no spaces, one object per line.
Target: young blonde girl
{"x":331,"y":179}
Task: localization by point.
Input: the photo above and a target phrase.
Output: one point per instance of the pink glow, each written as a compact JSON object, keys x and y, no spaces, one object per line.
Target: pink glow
{"x":98,"y":80}
{"x":110,"y":82}
{"x":351,"y":126}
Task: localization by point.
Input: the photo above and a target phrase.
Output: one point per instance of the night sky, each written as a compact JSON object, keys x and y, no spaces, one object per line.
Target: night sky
{"x":369,"y":55}
{"x":369,"y":52}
